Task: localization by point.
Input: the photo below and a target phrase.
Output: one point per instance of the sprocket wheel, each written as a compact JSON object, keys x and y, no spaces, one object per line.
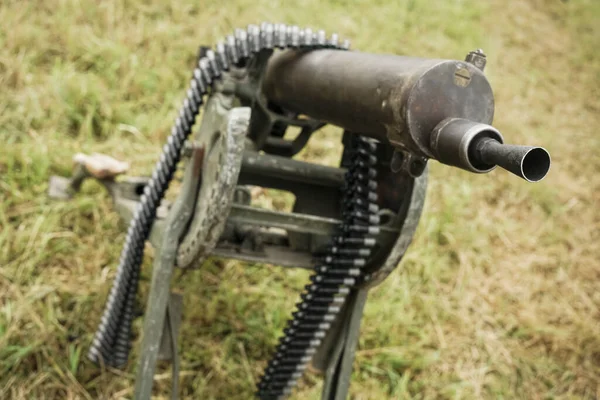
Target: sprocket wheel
{"x":220,"y":171}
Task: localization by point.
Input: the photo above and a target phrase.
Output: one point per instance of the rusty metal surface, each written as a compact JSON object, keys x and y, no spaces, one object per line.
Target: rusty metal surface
{"x":222,"y":134}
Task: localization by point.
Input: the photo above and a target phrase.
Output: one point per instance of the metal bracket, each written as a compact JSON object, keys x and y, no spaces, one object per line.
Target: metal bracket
{"x":269,"y":123}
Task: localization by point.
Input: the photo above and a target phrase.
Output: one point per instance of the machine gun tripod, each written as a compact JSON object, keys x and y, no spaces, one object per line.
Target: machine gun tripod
{"x":351,"y":225}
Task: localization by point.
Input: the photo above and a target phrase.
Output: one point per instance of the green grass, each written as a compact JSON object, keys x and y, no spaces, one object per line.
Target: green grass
{"x":497,"y":297}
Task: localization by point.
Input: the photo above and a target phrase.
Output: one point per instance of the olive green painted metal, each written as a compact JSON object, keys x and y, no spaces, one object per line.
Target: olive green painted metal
{"x":177,"y":223}
{"x":162,"y":271}
{"x":174,"y":227}
{"x":168,"y":342}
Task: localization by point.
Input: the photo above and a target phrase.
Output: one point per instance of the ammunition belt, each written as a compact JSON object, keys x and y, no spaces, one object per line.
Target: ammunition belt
{"x":336,"y":272}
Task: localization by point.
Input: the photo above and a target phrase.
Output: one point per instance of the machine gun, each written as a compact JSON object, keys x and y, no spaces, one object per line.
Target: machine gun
{"x":350,"y":225}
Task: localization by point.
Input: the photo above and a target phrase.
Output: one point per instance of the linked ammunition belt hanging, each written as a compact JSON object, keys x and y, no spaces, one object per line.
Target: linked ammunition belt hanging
{"x":337,"y":270}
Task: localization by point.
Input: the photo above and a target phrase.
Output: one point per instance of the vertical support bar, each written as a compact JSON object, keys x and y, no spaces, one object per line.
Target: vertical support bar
{"x":158,"y":298}
{"x":173,"y":330}
{"x":154,"y":319}
{"x":339,"y":371}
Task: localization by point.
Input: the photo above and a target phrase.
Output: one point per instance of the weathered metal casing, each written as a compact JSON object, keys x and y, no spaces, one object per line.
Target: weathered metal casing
{"x":452,"y":143}
{"x":395,"y":98}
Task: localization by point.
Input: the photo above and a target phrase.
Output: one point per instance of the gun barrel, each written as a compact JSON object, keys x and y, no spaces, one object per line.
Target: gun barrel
{"x":432,"y":108}
{"x":392,"y":98}
{"x":480,"y":148}
{"x":529,"y":163}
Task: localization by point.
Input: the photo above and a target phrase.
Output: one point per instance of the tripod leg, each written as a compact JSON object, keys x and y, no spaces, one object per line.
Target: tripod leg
{"x":158,"y":298}
{"x":339,"y":370}
{"x":171,"y":327}
{"x":154,"y":320}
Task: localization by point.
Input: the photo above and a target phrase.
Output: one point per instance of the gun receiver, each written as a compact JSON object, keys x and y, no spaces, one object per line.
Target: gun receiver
{"x":430,"y":108}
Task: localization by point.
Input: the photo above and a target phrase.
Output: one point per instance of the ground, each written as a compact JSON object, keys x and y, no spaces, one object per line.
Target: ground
{"x":496,"y":298}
